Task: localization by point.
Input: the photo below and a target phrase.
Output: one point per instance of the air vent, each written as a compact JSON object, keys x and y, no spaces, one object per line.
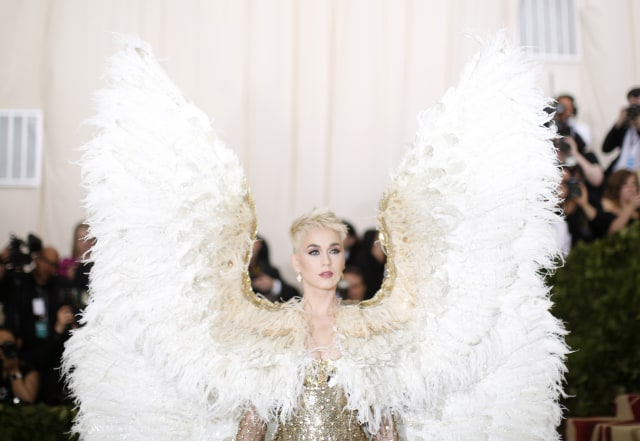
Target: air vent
{"x":549,"y":29}
{"x":20,"y":147}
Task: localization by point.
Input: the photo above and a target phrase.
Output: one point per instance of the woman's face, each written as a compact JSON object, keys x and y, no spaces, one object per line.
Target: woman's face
{"x":629,"y":190}
{"x":320,"y":259}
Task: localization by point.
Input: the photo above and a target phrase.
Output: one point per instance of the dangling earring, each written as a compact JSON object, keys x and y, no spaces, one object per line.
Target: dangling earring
{"x":299,"y":278}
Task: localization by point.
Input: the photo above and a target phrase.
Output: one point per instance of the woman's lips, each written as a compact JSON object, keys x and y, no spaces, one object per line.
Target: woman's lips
{"x":326,"y":275}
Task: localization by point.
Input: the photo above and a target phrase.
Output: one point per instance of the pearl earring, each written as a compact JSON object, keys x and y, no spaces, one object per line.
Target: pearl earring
{"x":299,"y":278}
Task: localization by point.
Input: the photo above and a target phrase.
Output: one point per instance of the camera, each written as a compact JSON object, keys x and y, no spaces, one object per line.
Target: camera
{"x":633,"y":111}
{"x":20,"y":251}
{"x":573,"y":186}
{"x":562,"y":145}
{"x":9,"y":349}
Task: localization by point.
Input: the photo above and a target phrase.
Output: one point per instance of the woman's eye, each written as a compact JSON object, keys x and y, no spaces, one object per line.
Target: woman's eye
{"x":313,"y":252}
{"x":336,"y":251}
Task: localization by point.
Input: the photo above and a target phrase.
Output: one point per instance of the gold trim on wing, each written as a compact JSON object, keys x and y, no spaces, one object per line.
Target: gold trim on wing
{"x":247,"y":291}
{"x":387,"y":246}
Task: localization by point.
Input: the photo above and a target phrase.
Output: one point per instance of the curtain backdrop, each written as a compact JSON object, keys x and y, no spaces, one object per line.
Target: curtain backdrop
{"x":318,"y":97}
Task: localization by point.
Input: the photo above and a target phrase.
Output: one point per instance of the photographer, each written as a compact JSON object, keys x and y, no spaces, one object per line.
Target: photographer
{"x":576,"y":137}
{"x":581,"y":208}
{"x":625,"y":135}
{"x":565,"y":118}
{"x":590,"y":169}
{"x":19,"y":382}
{"x":36,"y":306}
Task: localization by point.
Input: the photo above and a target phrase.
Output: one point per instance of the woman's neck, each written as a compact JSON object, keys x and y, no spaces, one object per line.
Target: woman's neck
{"x":320,"y":302}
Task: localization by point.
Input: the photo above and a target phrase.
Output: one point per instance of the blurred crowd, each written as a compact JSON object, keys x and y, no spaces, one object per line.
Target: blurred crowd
{"x":40,"y":296}
{"x":597,"y":201}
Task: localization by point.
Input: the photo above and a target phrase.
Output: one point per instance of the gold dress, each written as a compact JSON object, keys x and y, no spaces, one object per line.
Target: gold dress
{"x":322,"y":415}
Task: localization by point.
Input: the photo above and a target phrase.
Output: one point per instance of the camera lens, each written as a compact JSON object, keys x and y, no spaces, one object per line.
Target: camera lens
{"x":10,"y":350}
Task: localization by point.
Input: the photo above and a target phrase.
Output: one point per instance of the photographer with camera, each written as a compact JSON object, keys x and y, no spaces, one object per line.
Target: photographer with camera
{"x":574,"y":142}
{"x":19,"y":382}
{"x":581,"y":209}
{"x":625,"y":136}
{"x":35,"y":301}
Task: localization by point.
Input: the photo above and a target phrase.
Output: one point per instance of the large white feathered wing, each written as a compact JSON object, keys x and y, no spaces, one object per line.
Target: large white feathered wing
{"x":460,"y":342}
{"x":174,"y":223}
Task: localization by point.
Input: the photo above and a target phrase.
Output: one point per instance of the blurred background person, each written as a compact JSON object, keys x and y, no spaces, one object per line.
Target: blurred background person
{"x":20,"y":380}
{"x":75,"y":267}
{"x":581,"y":210}
{"x":371,"y":261}
{"x":573,"y":144}
{"x":265,"y":278}
{"x":352,"y":287}
{"x":567,"y":122}
{"x":351,"y":244}
{"x":37,"y":307}
{"x":620,"y":202}
{"x":624,"y":136}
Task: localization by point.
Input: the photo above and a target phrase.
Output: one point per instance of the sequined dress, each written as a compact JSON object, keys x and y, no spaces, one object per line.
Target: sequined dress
{"x":322,"y":414}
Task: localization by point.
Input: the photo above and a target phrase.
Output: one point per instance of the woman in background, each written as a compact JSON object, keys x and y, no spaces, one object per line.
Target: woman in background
{"x":620,"y":201}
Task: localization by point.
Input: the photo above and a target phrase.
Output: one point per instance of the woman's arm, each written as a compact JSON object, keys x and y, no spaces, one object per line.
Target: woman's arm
{"x":624,"y":217}
{"x":616,"y":135}
{"x":592,"y":171}
{"x":25,"y":387}
{"x":251,"y":427}
{"x":387,"y":431}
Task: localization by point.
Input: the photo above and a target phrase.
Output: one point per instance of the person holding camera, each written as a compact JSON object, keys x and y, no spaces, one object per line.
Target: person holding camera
{"x":591,"y":171}
{"x":19,"y":382}
{"x":566,"y":121}
{"x":581,"y":208}
{"x":36,"y":306}
{"x":625,"y":136}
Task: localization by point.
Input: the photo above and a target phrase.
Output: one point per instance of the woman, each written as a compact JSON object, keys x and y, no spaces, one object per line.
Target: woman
{"x":318,"y":259}
{"x":620,"y":201}
{"x":458,"y":343}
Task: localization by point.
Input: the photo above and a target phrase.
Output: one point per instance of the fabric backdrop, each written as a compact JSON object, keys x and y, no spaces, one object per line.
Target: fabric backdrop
{"x":318,"y":97}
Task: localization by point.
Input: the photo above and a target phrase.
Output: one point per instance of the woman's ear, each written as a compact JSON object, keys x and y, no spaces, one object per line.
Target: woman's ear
{"x":295,"y":264}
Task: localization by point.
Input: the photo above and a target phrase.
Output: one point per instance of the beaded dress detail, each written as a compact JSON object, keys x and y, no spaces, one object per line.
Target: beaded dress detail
{"x":322,"y":414}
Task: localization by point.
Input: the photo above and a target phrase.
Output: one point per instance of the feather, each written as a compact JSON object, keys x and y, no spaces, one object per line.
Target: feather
{"x":468,"y":349}
{"x":458,"y":344}
{"x":174,"y":223}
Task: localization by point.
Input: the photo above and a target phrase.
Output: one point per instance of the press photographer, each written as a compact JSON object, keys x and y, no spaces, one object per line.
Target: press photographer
{"x":36,"y":304}
{"x":581,"y":209}
{"x":624,"y":136}
{"x":573,"y":143}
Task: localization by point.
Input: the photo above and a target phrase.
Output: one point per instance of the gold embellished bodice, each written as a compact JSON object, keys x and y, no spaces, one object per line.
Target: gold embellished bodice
{"x":321,"y":415}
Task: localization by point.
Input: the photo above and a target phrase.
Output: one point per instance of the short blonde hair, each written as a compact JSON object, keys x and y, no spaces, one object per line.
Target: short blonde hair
{"x":316,"y":218}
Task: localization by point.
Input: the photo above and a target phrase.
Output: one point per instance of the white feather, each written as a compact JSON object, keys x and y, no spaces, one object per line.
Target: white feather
{"x":468,"y":219}
{"x":459,"y":343}
{"x":145,"y":364}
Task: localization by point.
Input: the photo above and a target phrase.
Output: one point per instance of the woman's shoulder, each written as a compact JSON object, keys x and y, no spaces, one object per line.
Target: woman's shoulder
{"x":609,"y":206}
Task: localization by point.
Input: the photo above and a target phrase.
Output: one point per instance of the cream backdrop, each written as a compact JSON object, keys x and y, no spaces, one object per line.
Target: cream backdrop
{"x":318,"y":97}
